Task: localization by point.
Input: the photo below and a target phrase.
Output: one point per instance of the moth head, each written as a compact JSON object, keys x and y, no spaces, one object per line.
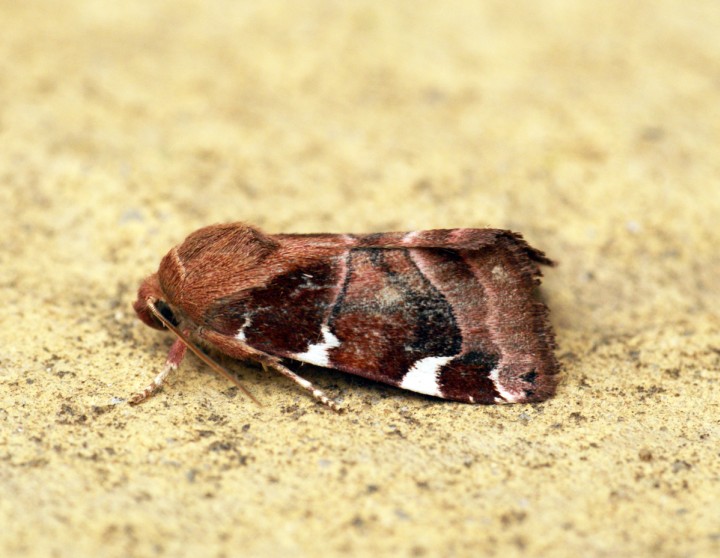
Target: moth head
{"x":149,"y":294}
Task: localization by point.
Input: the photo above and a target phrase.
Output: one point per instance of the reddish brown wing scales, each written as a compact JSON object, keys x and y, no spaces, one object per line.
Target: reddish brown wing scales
{"x":389,"y":316}
{"x":450,"y":313}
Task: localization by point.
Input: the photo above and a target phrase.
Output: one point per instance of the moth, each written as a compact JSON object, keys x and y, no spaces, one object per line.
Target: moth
{"x":450,"y":313}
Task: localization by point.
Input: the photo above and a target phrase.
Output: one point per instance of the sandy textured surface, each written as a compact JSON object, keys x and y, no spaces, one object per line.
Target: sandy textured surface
{"x":592,"y":127}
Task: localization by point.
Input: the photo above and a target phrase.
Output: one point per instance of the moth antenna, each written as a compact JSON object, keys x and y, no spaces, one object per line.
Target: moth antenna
{"x":202,"y":356}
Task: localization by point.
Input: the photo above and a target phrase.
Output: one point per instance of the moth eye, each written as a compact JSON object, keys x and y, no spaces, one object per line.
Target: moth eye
{"x":166,"y":312}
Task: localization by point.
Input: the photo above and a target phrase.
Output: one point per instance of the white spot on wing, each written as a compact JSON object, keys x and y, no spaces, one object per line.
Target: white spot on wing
{"x":318,"y":353}
{"x":423,"y":375}
{"x":410,"y":237}
{"x":500,"y":274}
{"x":507,"y":396}
{"x":240,"y":335}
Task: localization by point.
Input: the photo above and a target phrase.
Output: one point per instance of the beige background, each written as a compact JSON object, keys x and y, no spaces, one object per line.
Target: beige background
{"x":592,"y":127}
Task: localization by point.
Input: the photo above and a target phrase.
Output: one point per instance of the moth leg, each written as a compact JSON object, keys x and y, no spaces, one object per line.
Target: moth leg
{"x":236,"y":349}
{"x":174,"y":358}
{"x":303,"y":383}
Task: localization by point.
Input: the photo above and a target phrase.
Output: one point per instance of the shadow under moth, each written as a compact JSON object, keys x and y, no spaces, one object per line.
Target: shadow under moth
{"x":451,"y":313}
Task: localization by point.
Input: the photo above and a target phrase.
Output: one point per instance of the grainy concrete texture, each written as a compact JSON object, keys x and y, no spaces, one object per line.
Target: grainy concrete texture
{"x":592,"y":127}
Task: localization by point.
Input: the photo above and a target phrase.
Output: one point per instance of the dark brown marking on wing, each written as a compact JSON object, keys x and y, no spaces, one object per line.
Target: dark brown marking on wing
{"x":452,"y":276}
{"x":286,"y":315}
{"x":467,"y":378}
{"x":388,"y":316}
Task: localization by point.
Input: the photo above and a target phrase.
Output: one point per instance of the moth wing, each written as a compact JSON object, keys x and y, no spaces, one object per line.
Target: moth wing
{"x":466,"y":240}
{"x":411,"y":311}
